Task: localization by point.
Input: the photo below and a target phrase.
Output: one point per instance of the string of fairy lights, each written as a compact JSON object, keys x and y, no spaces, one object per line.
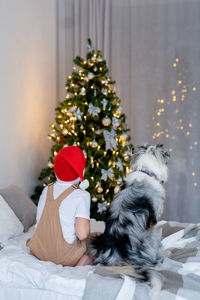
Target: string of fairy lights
{"x":178,"y":123}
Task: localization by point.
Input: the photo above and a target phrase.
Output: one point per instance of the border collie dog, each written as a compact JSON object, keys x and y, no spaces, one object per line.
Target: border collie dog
{"x":130,"y":237}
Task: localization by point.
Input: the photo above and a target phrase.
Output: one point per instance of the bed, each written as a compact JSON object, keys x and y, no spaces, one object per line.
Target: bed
{"x":23,"y":276}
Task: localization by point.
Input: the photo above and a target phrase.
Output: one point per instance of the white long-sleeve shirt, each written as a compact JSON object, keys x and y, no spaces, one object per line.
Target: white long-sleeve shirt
{"x":77,"y":204}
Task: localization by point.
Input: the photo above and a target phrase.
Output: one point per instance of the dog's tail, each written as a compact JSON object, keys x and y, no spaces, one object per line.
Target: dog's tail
{"x":151,"y":276}
{"x":154,"y":278}
{"x":156,"y":281}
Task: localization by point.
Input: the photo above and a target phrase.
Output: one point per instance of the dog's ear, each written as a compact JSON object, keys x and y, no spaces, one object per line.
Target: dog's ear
{"x":159,"y":145}
{"x":143,"y":147}
{"x":164,"y":151}
{"x":166,"y":154}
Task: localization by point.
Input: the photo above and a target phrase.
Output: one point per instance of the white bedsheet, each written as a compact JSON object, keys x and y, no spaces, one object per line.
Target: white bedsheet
{"x":25,"y":277}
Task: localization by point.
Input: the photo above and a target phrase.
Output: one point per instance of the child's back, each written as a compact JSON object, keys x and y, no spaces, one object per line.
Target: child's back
{"x":63,"y":214}
{"x":77,"y":204}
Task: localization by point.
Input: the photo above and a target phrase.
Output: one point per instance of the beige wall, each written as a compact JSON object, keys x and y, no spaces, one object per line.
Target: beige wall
{"x":27,"y":88}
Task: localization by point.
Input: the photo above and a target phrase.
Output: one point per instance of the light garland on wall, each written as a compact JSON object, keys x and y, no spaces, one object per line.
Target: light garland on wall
{"x":180,"y":96}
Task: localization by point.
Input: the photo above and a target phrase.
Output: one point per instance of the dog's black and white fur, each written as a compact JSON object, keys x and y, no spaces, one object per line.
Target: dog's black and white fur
{"x":129,"y":236}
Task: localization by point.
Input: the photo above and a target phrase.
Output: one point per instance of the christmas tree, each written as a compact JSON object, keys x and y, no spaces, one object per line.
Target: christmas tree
{"x":91,"y":118}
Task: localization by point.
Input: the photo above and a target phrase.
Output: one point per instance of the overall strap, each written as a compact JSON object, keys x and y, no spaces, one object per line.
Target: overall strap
{"x":50,"y":192}
{"x":66,"y":193}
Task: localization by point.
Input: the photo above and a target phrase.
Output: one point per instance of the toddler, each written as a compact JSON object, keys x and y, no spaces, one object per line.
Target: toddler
{"x":63,"y":213}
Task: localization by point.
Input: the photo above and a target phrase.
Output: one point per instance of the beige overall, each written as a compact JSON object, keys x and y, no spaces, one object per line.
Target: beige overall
{"x":47,"y":242}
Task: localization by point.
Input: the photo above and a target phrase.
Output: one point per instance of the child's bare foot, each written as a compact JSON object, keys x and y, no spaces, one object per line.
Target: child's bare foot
{"x":84,"y":260}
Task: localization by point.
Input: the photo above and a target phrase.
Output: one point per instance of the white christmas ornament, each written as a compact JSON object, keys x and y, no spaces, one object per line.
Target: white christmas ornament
{"x":84,"y":184}
{"x":110,"y":139}
{"x":102,"y":207}
{"x":106,"y":121}
{"x":124,"y":136}
{"x":94,"y":144}
{"x":115,"y":122}
{"x":104,"y":102}
{"x":119,"y":165}
{"x":126,"y":156}
{"x":104,"y":91}
{"x":50,"y":165}
{"x":90,"y":47}
{"x":105,"y":81}
{"x":79,"y":114}
{"x":90,"y":76}
{"x":99,"y":131}
{"x":94,"y":199}
{"x":99,"y":189}
{"x":65,"y":131}
{"x":107,"y":173}
{"x":93,"y":110}
{"x":72,"y":109}
{"x":82,"y":92}
{"x":119,"y":110}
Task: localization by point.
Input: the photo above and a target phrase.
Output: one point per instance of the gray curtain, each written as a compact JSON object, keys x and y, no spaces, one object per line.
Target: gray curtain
{"x":152,"y":48}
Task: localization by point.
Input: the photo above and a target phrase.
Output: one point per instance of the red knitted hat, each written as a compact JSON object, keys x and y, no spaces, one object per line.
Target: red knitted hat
{"x":69,"y":163}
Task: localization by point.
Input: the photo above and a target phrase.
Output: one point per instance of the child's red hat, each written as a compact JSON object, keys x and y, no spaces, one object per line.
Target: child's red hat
{"x":69,"y":163}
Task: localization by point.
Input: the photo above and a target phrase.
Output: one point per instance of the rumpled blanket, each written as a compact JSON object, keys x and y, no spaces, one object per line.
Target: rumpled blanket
{"x":26,"y":277}
{"x":180,"y":271}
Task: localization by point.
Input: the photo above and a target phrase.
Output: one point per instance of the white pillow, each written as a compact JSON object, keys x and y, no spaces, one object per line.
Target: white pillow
{"x":10,"y":225}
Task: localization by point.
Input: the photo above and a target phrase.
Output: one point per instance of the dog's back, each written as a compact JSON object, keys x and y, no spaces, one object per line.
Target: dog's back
{"x":128,"y":237}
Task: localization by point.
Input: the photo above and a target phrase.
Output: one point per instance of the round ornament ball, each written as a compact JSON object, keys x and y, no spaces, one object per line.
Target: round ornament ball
{"x":90,"y":76}
{"x":126,"y":156}
{"x":119,"y":110}
{"x":106,"y":121}
{"x":94,"y":199}
{"x":65,"y":131}
{"x":82,"y":92}
{"x":94,"y":144}
{"x":50,"y":165}
{"x":99,"y":189}
{"x":124,"y":136}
